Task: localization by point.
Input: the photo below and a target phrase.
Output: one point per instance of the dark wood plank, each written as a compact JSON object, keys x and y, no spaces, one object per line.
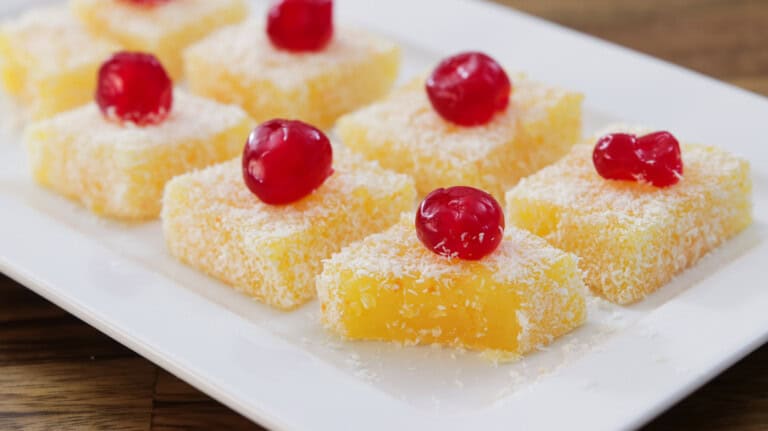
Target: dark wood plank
{"x":33,"y":330}
{"x":58,"y":373}
{"x":18,"y":305}
{"x":99,"y":394}
{"x":180,"y":406}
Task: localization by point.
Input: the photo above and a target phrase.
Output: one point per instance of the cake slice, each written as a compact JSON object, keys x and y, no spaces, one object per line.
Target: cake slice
{"x":48,"y":61}
{"x":632,"y":237}
{"x":164,"y":28}
{"x":273,"y":253}
{"x":119,"y":169}
{"x":240,"y":65}
{"x":390,"y":287}
{"x":405,"y":134}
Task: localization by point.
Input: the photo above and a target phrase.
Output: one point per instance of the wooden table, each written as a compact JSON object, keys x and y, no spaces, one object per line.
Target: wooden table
{"x":58,"y":373}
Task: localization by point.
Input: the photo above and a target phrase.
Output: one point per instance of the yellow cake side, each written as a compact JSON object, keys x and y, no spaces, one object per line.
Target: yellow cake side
{"x":633,"y":238}
{"x":273,"y":253}
{"x":389,"y":287}
{"x":404,"y":133}
{"x":48,"y":61}
{"x":12,"y":70}
{"x":282,"y":85}
{"x":352,"y":87}
{"x":549,"y":125}
{"x":64,"y":91}
{"x":120,"y":171}
{"x":164,"y":30}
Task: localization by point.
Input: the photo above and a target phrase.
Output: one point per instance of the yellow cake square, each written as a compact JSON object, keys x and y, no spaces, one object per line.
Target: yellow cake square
{"x":404,"y":133}
{"x":240,"y":65}
{"x":632,"y":238}
{"x":164,"y":29}
{"x":119,"y":170}
{"x":212,"y":222}
{"x":390,"y":287}
{"x":48,"y":61}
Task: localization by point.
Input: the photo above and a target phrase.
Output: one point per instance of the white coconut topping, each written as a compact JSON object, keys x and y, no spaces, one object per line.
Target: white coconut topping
{"x":192,"y":118}
{"x":123,"y":17}
{"x":50,"y":40}
{"x":248,"y":54}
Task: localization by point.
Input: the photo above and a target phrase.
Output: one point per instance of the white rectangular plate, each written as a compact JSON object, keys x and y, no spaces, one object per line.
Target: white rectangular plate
{"x":623,"y":367}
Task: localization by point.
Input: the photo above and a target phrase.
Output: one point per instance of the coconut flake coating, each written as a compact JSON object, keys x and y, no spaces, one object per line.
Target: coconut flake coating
{"x":49,"y":61}
{"x":632,"y":238}
{"x":404,"y":133}
{"x":390,"y":287}
{"x":120,"y":169}
{"x":165,"y":29}
{"x":212,"y":222}
{"x":240,"y":65}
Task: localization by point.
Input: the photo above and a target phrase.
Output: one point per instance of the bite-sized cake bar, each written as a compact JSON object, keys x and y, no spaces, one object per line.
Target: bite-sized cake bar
{"x":405,"y":134}
{"x":390,"y":287}
{"x":49,"y":61}
{"x":273,"y":253}
{"x":240,"y":65}
{"x":163,"y":28}
{"x":632,"y":237}
{"x":119,"y":169}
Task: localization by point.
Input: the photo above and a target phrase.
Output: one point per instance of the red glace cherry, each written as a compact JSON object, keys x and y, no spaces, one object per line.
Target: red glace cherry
{"x":614,"y":157}
{"x":134,"y":86}
{"x":469,"y":88}
{"x":461,"y":222}
{"x":654,"y":158}
{"x":147,"y":2}
{"x":660,"y":155}
{"x":285,"y":160}
{"x":300,"y":25}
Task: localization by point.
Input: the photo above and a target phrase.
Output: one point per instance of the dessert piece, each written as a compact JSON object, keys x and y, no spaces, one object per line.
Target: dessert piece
{"x":273,"y":72}
{"x":48,"y":61}
{"x":390,"y":287}
{"x":116,"y":155}
{"x":648,"y":221}
{"x":256,"y":227}
{"x":423,"y":133}
{"x":163,"y":28}
{"x":119,"y":170}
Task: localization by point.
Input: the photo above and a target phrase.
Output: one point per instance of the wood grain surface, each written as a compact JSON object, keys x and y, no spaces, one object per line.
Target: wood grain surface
{"x":58,"y":373}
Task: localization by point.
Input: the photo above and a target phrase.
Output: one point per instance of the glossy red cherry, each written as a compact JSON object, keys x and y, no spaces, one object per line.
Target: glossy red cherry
{"x":147,"y":2}
{"x":614,"y":157}
{"x":300,"y":25}
{"x":134,"y":86}
{"x":461,"y":222}
{"x":285,"y":160}
{"x":469,"y":88}
{"x":654,"y":158}
{"x":660,"y":156}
